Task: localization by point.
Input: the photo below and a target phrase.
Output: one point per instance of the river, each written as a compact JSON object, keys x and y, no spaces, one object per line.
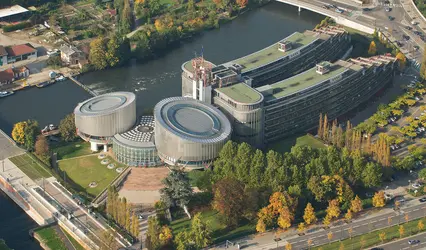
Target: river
{"x":151,"y":81}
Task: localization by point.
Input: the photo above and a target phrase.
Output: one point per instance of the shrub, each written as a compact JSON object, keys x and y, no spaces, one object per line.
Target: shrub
{"x":19,"y":26}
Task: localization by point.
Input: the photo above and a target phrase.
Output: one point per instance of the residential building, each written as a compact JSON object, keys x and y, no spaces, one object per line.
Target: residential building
{"x":16,"y":53}
{"x":3,"y":56}
{"x":20,"y":72}
{"x":71,"y":55}
{"x":6,"y":77}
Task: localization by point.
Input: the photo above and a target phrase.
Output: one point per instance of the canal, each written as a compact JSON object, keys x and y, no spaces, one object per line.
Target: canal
{"x":151,"y":82}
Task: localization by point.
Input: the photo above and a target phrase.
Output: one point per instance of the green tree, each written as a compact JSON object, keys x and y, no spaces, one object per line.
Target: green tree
{"x":243,"y":161}
{"x":423,"y":66}
{"x":177,"y":190}
{"x":200,"y":232}
{"x":372,"y":175}
{"x":257,"y":169}
{"x":67,"y":128}
{"x":98,"y":53}
{"x":113,"y":51}
{"x":152,"y":235}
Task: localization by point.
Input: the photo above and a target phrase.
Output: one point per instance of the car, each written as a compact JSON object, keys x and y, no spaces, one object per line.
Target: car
{"x":422,"y":199}
{"x":416,"y":185}
{"x":387,"y":9}
{"x":388,"y":196}
{"x":54,"y":52}
{"x":406,"y":37}
{"x":366,"y":9}
{"x":400,"y":199}
{"x":417,"y":33}
{"x":399,"y":43}
{"x":416,"y":47}
{"x":387,"y":2}
{"x":408,"y":27}
{"x":339,"y":10}
{"x":412,"y":242}
{"x":413,"y":22}
{"x":325,"y":7}
{"x":376,"y":248}
{"x":391,"y":18}
{"x":140,"y":216}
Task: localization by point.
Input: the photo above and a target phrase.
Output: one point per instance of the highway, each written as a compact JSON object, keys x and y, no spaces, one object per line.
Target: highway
{"x":360,"y":227}
{"x":403,"y":243}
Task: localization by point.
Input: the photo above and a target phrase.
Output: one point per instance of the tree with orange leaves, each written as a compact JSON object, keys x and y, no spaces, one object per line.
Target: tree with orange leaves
{"x":242,"y":3}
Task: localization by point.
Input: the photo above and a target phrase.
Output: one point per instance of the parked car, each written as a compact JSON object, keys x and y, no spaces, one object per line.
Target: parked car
{"x":413,"y":22}
{"x":416,"y":47}
{"x":391,"y":18}
{"x":422,"y":199}
{"x":406,"y":37}
{"x":366,"y":9}
{"x":400,"y":199}
{"x":408,"y":27}
{"x":388,"y":9}
{"x":140,"y":216}
{"x":416,"y":185}
{"x":325,"y":7}
{"x":339,"y":10}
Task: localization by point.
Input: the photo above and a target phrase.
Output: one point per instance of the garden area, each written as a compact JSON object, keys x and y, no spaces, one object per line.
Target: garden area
{"x":66,"y":150}
{"x":86,"y":170}
{"x":286,"y":144}
{"x":30,"y":166}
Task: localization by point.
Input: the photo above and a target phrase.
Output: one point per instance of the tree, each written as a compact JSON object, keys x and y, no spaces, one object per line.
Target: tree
{"x":356,"y":205}
{"x":200,"y":232}
{"x":108,"y":240}
{"x":309,"y":215}
{"x":25,"y":133}
{"x":382,"y":236}
{"x":113,"y":55}
{"x":261,"y":226}
{"x":329,"y":236}
{"x":18,"y":132}
{"x":420,"y":225}
{"x":165,"y":236}
{"x":98,"y":53}
{"x":372,"y":174}
{"x":135,"y":225}
{"x":42,"y":149}
{"x":342,"y":246}
{"x":288,"y":246}
{"x":423,"y":66}
{"x":242,"y":3}
{"x":362,"y":241}
{"x":401,"y":231}
{"x":285,"y":218}
{"x":379,"y":199}
{"x":402,"y":60}
{"x":372,"y":49}
{"x":228,"y":199}
{"x":333,"y":209}
{"x":177,"y":190}
{"x":301,"y":228}
{"x":348,"y":215}
{"x":153,"y":234}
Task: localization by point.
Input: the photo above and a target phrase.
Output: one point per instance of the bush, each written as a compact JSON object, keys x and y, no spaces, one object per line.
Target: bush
{"x":19,"y":26}
{"x":54,"y":61}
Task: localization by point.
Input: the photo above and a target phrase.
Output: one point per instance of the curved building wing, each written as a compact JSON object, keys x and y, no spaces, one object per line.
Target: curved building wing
{"x":189,"y":132}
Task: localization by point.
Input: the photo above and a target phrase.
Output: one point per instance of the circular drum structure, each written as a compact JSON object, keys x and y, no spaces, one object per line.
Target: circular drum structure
{"x":189,"y":132}
{"x":103,"y":116}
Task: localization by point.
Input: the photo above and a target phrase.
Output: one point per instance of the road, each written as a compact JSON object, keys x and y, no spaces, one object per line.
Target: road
{"x":360,"y":227}
{"x":403,"y":243}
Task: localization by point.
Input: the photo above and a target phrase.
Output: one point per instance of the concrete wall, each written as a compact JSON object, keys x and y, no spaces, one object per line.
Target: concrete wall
{"x":354,"y":25}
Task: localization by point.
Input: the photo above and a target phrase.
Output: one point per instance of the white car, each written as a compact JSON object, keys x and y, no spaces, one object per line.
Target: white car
{"x":416,"y":185}
{"x":339,"y":10}
{"x":140,"y":216}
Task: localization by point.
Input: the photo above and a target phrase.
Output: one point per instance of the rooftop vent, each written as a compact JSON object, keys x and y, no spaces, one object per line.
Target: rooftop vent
{"x":323,"y":68}
{"x":284,"y":46}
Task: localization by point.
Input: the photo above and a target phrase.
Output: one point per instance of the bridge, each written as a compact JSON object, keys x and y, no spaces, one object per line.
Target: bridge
{"x":340,"y":18}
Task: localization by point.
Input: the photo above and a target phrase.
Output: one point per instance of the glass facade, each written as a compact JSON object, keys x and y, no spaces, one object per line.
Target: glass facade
{"x":135,"y":156}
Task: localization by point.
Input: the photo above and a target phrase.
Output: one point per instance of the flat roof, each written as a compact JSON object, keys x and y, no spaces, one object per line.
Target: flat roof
{"x":13,"y":10}
{"x":309,"y":78}
{"x":104,"y":104}
{"x":188,"y":65}
{"x":241,"y":92}
{"x":271,"y":53}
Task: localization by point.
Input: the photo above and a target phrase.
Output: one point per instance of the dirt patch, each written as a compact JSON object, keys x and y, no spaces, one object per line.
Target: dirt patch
{"x":145,"y":179}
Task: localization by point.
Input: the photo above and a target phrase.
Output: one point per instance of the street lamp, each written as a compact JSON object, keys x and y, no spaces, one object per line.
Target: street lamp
{"x":277,"y":240}
{"x":409,"y":185}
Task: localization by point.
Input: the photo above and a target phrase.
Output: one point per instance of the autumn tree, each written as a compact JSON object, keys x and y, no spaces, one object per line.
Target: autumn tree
{"x":333,"y":209}
{"x":18,"y":132}
{"x":301,"y":228}
{"x":135,"y":225}
{"x":98,"y":53}
{"x":152,"y":240}
{"x":348,"y":215}
{"x":402,"y":60}
{"x":25,"y":133}
{"x":382,"y":236}
{"x":372,"y":50}
{"x":42,"y":149}
{"x":356,"y":205}
{"x":329,"y":236}
{"x":67,"y":128}
{"x":420,"y":225}
{"x":177,"y":190}
{"x":401,"y":231}
{"x":379,"y":199}
{"x":288,"y":246}
{"x":242,"y":3}
{"x":228,"y":199}
{"x":309,"y":215}
{"x":320,"y":126}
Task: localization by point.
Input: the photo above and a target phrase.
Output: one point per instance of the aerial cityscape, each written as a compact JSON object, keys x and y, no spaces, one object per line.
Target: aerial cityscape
{"x":245,"y":124}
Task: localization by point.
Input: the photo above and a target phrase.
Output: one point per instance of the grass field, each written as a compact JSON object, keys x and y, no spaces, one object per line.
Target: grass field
{"x":30,"y":167}
{"x":371,"y":239}
{"x":51,"y":238}
{"x":84,"y":170}
{"x":286,"y":144}
{"x":66,"y":150}
{"x":219,"y":230}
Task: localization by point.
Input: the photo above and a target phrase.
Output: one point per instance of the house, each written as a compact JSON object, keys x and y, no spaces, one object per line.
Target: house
{"x":6,"y":77}
{"x":20,"y":52}
{"x":71,"y":55}
{"x":20,"y":72}
{"x":3,"y":56}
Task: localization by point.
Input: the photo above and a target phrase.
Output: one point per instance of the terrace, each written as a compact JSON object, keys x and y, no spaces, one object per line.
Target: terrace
{"x":273,"y":52}
{"x":305,"y":80}
{"x":241,"y":93}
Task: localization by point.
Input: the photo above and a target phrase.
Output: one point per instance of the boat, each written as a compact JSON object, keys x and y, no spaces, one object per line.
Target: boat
{"x":6,"y":93}
{"x":45,"y":84}
{"x":60,"y":78}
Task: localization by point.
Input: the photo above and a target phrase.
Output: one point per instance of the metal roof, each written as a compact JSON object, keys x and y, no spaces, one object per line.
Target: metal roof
{"x":13,"y":10}
{"x":142,"y":135}
{"x":104,"y":104}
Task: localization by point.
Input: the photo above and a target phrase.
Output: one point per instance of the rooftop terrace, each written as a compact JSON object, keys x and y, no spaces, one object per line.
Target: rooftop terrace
{"x":240,"y":92}
{"x":271,"y":53}
{"x":307,"y":79}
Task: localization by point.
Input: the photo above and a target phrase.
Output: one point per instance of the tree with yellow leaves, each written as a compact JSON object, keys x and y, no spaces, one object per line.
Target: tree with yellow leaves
{"x":260,"y":226}
{"x":301,"y":228}
{"x":402,"y":60}
{"x":18,"y":132}
{"x":285,"y":218}
{"x":333,"y":209}
{"x":342,"y":246}
{"x":165,"y":235}
{"x":372,"y":50}
{"x":420,"y":225}
{"x":159,"y":25}
{"x":329,"y":237}
{"x":288,"y":246}
{"x":379,"y":199}
{"x":356,"y":205}
{"x":382,"y":236}
{"x":401,"y":231}
{"x":309,"y":215}
{"x":348,"y":215}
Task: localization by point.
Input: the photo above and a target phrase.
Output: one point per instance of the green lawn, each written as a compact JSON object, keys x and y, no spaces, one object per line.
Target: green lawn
{"x":76,"y":245}
{"x":49,"y":236}
{"x":66,"y":150}
{"x":84,"y":170}
{"x":372,"y":239}
{"x":220,"y":232}
{"x":30,"y":167}
{"x":286,"y":144}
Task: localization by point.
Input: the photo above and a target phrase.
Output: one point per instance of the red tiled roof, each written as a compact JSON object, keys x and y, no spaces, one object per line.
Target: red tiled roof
{"x":6,"y":75}
{"x":20,"y":49}
{"x":3,"y":51}
{"x":20,"y":69}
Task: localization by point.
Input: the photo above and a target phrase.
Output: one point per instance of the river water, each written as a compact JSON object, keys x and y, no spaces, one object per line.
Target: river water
{"x":151,"y":81}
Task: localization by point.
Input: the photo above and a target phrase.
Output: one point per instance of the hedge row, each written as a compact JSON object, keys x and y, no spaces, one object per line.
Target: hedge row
{"x":19,"y":26}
